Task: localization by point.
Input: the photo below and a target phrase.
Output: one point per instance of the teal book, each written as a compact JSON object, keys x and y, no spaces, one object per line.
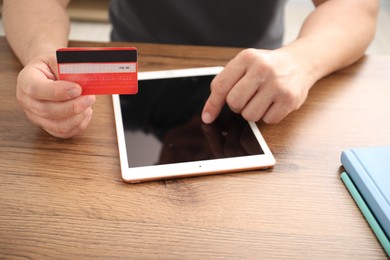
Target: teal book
{"x":367,"y":178}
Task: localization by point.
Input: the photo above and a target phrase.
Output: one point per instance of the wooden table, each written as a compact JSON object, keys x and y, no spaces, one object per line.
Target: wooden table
{"x":66,"y":199}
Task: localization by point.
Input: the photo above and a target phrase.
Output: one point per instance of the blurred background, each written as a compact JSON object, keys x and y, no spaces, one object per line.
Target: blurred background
{"x":90,"y":22}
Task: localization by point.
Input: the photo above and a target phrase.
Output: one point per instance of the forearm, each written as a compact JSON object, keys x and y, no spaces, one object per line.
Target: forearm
{"x":335,"y":35}
{"x":35,"y":28}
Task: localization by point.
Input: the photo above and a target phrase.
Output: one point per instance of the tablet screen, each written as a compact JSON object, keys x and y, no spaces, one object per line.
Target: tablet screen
{"x":162,"y":124}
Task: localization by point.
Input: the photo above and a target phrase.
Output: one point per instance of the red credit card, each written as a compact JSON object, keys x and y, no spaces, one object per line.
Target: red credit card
{"x":112,"y":70}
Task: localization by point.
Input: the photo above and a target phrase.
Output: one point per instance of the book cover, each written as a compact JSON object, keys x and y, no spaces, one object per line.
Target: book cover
{"x":369,"y":170}
{"x":379,"y":233}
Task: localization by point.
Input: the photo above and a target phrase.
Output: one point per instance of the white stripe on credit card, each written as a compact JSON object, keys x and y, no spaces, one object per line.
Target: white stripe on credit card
{"x":84,"y":68}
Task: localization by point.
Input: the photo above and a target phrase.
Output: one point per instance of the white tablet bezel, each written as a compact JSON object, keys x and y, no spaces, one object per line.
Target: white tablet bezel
{"x":205,"y":167}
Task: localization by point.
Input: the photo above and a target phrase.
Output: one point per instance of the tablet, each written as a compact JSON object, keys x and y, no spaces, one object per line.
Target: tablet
{"x":161,"y":135}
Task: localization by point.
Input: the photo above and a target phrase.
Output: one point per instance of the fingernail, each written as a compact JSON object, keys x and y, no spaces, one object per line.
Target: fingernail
{"x":89,"y":100}
{"x":74,"y":92}
{"x":206,"y":118}
{"x":88,"y":113}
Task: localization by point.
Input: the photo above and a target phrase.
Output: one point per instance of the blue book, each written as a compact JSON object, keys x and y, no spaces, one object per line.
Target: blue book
{"x":367,"y":178}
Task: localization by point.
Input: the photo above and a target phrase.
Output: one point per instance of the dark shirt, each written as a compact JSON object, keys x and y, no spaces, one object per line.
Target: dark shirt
{"x":246,"y":23}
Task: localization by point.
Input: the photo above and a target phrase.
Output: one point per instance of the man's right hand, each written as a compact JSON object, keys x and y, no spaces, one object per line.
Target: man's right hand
{"x":56,"y":106}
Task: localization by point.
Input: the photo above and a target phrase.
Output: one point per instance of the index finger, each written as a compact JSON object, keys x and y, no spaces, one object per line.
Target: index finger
{"x":220,"y":87}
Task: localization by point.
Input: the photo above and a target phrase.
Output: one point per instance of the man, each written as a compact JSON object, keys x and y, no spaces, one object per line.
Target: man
{"x":259,"y":83}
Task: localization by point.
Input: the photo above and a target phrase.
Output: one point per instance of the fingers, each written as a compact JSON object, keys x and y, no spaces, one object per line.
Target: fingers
{"x":272,"y":103}
{"x":258,"y":84}
{"x":34,"y":83}
{"x":236,"y":84}
{"x":63,"y":128}
{"x":63,"y":119}
{"x":56,"y":106}
{"x":220,"y":88}
{"x":55,"y":109}
{"x":249,"y":96}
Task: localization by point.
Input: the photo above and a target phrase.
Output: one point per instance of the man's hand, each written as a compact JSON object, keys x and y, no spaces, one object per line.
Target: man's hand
{"x":259,"y":84}
{"x":56,"y":106}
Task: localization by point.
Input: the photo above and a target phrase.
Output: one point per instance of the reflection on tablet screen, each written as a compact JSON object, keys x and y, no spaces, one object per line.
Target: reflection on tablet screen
{"x":162,"y":124}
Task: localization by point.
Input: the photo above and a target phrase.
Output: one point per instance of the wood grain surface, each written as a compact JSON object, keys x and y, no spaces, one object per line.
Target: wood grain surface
{"x":64,"y":199}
